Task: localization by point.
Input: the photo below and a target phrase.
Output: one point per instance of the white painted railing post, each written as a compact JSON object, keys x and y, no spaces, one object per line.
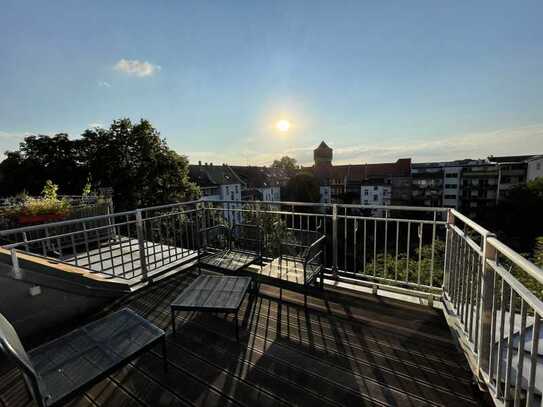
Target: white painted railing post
{"x":487,"y":298}
{"x":15,"y":269}
{"x":448,"y":252}
{"x":334,"y":240}
{"x":141,"y":244}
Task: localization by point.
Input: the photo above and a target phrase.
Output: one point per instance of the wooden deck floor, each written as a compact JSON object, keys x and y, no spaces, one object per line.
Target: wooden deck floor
{"x":343,"y":351}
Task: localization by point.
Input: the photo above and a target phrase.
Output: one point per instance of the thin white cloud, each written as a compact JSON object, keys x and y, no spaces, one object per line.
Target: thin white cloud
{"x":93,"y":125}
{"x":10,"y":141}
{"x":135,"y":67}
{"x":104,"y":84}
{"x":520,"y":140}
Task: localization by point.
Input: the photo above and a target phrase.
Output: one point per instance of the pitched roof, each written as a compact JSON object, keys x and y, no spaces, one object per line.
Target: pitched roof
{"x":323,"y":146}
{"x":258,"y":177}
{"x":510,"y":158}
{"x":211,"y":175}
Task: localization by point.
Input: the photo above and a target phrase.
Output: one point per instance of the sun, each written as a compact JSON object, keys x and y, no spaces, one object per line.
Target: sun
{"x":282,"y":125}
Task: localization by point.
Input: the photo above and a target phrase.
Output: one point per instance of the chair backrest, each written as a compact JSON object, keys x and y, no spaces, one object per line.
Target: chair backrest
{"x":247,"y":237}
{"x":11,"y":345}
{"x":215,"y":237}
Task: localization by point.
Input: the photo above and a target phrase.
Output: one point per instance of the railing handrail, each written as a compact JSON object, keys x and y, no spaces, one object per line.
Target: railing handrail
{"x":330,"y":205}
{"x":526,"y":265}
{"x":7,"y":232}
{"x":473,"y":225}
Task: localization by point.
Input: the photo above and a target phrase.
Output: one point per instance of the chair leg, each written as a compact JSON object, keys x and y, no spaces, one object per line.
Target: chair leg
{"x":237,"y":326}
{"x":165,"y":354}
{"x":173,"y":321}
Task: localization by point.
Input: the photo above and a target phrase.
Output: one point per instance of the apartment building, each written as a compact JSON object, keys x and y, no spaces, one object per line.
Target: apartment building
{"x":218,"y":183}
{"x":347,"y":183}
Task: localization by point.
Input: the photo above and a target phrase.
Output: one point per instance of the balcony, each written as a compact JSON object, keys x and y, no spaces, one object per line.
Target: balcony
{"x":396,"y":287}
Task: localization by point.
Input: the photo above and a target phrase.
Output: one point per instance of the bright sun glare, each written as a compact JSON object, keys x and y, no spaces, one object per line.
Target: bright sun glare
{"x":282,"y":125}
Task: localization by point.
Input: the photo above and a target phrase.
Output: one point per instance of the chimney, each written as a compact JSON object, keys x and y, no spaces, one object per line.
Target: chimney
{"x":199,"y":163}
{"x":211,"y":164}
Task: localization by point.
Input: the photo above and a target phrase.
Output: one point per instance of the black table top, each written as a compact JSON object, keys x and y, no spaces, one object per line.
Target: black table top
{"x":213,"y":293}
{"x":80,"y":356}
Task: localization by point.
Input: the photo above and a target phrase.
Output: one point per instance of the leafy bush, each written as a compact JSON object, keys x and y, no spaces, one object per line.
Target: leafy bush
{"x":44,"y":206}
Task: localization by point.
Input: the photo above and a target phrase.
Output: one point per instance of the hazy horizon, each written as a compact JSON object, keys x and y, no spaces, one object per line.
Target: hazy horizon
{"x":377,"y":82}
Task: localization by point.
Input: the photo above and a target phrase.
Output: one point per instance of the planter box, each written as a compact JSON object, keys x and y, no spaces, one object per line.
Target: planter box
{"x":36,"y":219}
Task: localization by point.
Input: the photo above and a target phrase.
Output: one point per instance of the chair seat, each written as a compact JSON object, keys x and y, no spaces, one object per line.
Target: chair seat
{"x":232,"y":260}
{"x":86,"y":354}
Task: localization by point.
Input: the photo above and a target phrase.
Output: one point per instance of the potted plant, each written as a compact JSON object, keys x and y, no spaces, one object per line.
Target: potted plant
{"x":48,"y":208}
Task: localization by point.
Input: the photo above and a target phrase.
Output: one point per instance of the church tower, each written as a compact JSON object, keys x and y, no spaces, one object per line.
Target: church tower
{"x":322,"y":155}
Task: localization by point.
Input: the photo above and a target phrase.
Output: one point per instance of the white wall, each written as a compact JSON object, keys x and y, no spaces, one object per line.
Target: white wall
{"x":232,"y":192}
{"x":451,"y":186}
{"x":271,"y":194}
{"x":326,"y":194}
{"x":535,"y":168}
{"x":375,"y":194}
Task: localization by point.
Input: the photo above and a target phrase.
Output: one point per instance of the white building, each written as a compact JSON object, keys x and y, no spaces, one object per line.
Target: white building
{"x":219,"y":183}
{"x":326,"y":194}
{"x":452,"y":186}
{"x":376,"y":195}
{"x":535,"y":167}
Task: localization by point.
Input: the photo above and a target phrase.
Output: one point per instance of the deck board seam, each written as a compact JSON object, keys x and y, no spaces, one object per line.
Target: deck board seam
{"x":414,"y":395}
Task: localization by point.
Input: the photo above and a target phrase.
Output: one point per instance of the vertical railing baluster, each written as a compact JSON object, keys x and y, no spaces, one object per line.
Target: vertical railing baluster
{"x":499,"y":357}
{"x":407,"y":251}
{"x":534,"y":352}
{"x":419,"y":266}
{"x":364,"y":246}
{"x":374,"y":247}
{"x":141,"y":244}
{"x":345,"y":239}
{"x":433,"y":250}
{"x":509,"y":364}
{"x":396,"y":256}
{"x":334,"y":241}
{"x":487,"y":288}
{"x":520,"y":353}
{"x":490,"y":346}
{"x":355,"y":230}
{"x":386,"y":241}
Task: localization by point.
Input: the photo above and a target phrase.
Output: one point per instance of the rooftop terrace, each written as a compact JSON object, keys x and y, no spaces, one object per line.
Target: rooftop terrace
{"x":420,"y":306}
{"x":342,"y":350}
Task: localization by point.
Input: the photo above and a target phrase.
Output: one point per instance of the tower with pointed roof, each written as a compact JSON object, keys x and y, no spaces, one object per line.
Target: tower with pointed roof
{"x":322,"y":155}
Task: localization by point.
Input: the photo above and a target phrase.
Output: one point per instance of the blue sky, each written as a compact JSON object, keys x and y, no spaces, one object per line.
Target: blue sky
{"x":431,"y":80}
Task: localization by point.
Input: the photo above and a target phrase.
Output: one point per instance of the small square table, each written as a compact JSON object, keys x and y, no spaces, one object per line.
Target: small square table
{"x":210,"y":293}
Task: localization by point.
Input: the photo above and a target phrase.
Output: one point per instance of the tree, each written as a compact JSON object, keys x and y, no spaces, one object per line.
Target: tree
{"x":290,"y":165}
{"x":130,"y":158}
{"x":518,"y":218}
{"x":137,"y":164}
{"x":303,"y":187}
{"x":38,"y":159}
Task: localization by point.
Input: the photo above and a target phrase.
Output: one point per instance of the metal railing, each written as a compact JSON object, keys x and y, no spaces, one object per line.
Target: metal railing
{"x":499,"y":317}
{"x":491,"y":294}
{"x":388,"y":245}
{"x":129,"y":245}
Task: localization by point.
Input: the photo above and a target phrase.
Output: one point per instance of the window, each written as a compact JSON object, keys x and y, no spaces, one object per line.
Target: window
{"x":450,"y":196}
{"x":538,"y":166}
{"x":365,"y":192}
{"x":375,"y":188}
{"x":375,"y":197}
{"x":451,"y":175}
{"x":449,"y":186}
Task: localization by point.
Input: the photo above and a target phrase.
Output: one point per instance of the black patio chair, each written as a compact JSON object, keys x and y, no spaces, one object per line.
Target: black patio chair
{"x":305,"y":249}
{"x":231,"y":249}
{"x":67,"y":366}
